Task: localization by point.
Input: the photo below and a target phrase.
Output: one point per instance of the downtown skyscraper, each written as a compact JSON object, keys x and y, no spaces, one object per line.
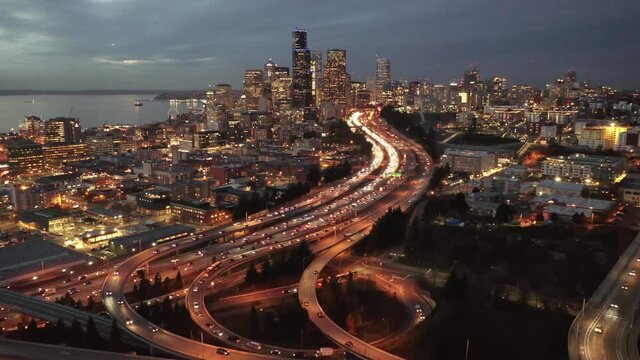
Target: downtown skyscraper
{"x":383,"y":77}
{"x":316,"y":76}
{"x":301,"y":70}
{"x":335,"y":77}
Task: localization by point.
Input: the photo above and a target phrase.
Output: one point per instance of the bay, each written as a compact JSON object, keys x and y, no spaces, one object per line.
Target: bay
{"x":92,"y":110}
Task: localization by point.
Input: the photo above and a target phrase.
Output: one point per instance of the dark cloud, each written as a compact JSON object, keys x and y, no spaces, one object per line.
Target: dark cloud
{"x":71,"y":44}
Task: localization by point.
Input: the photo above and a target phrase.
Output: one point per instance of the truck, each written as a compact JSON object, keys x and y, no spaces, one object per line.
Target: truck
{"x":254,"y":345}
{"x":325,"y":351}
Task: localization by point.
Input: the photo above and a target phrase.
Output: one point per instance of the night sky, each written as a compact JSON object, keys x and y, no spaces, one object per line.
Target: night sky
{"x":169,"y":44}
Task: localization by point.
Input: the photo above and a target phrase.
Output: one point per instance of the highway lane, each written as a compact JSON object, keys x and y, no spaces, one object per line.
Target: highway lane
{"x":607,"y":328}
{"x":357,"y":202}
{"x":307,"y":287}
{"x":21,"y":350}
{"x":159,"y":337}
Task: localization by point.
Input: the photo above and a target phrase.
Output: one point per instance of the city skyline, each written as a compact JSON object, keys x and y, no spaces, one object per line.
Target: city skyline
{"x":157,"y":46}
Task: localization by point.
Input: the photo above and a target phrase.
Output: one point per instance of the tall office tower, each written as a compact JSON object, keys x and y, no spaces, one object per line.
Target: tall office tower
{"x":253,"y":88}
{"x":335,"y":77}
{"x":301,"y":63}
{"x":269,"y":71}
{"x":281,"y":92}
{"x":471,"y":77}
{"x":383,"y":77}
{"x":280,"y":71}
{"x":210,"y":107}
{"x":316,"y":76}
{"x":63,"y":130}
{"x":224,"y":96}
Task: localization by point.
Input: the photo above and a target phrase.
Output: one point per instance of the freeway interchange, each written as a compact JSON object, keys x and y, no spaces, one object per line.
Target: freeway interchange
{"x":331,"y":220}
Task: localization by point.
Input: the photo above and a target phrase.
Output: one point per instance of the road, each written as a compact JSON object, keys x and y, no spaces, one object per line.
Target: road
{"x":307,"y":287}
{"x":171,"y":343}
{"x":318,"y":230}
{"x":607,"y":328}
{"x":21,"y":350}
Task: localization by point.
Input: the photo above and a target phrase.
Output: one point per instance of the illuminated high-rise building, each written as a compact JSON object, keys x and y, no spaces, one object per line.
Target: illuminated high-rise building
{"x":253,"y":88}
{"x":335,"y":77}
{"x":269,"y":71}
{"x":32,"y":128}
{"x":383,"y":77}
{"x":63,"y":130}
{"x":224,"y":96}
{"x":316,"y":76}
{"x":301,"y":65}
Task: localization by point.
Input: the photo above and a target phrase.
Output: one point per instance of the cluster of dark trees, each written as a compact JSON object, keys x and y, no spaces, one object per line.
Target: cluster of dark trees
{"x":249,"y":204}
{"x":293,"y":192}
{"x":282,"y":263}
{"x":385,"y":232}
{"x":146,"y":289}
{"x":173,"y":317}
{"x":286,"y":324}
{"x":351,"y":303}
{"x":438,"y":175}
{"x":91,"y":306}
{"x":406,"y":124}
{"x":337,"y":172}
{"x":75,"y":335}
{"x":339,"y":132}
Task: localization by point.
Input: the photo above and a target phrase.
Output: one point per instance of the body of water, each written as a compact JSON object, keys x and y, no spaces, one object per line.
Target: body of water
{"x":92,"y":110}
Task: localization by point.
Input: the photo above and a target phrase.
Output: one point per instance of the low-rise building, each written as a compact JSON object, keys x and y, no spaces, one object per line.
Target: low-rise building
{"x":51,"y":220}
{"x":198,"y":212}
{"x":552,"y":187}
{"x":469,"y":161}
{"x":583,"y":167}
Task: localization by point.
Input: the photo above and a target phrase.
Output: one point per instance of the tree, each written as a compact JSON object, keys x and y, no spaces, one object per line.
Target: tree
{"x":254,"y":323}
{"x":179,"y":282}
{"x":539,"y":217}
{"x":252,"y":274}
{"x":76,"y":335}
{"x":504,"y":213}
{"x":94,"y":341}
{"x":115,"y":343}
{"x":553,"y":217}
{"x":460,"y":204}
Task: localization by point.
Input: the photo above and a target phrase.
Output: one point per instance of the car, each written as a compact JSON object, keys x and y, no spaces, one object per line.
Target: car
{"x":315,"y":272}
{"x":72,"y":291}
{"x":320,"y":314}
{"x":632,"y":273}
{"x":108,"y":293}
{"x":153,"y":328}
{"x":625,"y":287}
{"x":156,"y":251}
{"x":218,"y":332}
{"x":129,"y":321}
{"x":222,"y":351}
{"x":82,"y":277}
{"x":349,"y":344}
{"x":116,"y":272}
{"x":235,"y":339}
{"x":86,"y":283}
{"x":615,"y":306}
{"x":598,"y":330}
{"x":121,"y":302}
{"x":66,"y":281}
{"x":196,"y":305}
{"x":195,"y":289}
{"x":275,"y":352}
{"x":209,"y":325}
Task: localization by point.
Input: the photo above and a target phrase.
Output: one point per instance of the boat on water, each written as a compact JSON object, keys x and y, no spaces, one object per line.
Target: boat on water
{"x":137,"y":103}
{"x":32,"y":101}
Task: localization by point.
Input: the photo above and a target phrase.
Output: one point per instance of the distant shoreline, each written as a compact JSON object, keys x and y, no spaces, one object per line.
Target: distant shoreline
{"x":10,"y":92}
